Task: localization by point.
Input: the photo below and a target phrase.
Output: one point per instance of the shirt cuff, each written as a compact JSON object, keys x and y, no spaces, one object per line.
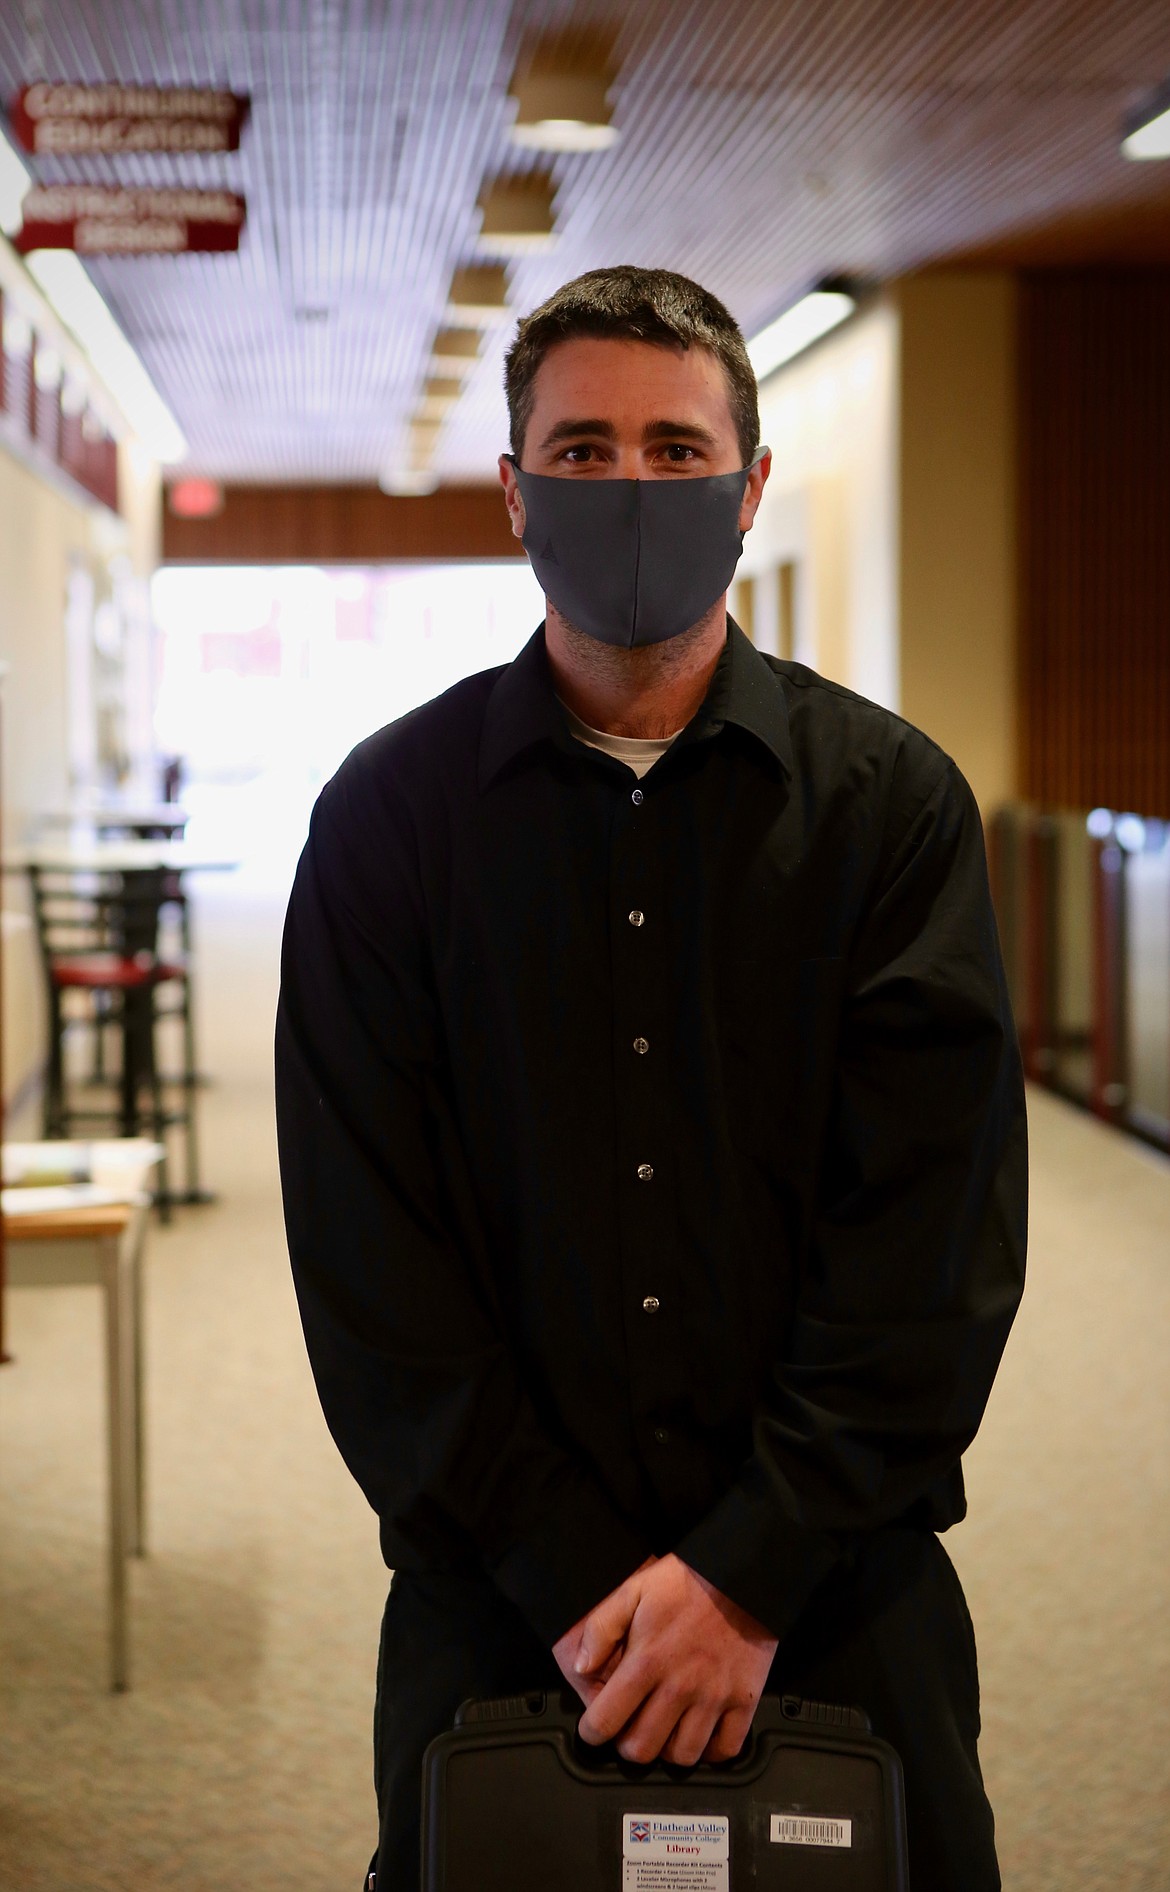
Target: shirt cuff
{"x":761,"y":1559}
{"x":573,"y":1555}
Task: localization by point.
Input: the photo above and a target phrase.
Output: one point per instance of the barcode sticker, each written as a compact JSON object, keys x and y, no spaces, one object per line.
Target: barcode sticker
{"x":799,"y":1829}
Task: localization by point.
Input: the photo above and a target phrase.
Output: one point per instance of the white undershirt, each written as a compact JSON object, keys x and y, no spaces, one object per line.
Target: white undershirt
{"x":637,"y":752}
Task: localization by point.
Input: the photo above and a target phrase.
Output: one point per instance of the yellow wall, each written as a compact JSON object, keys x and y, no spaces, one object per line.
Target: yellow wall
{"x":957,"y":507}
{"x":42,"y":535}
{"x":47,"y":538}
{"x":893,"y":497}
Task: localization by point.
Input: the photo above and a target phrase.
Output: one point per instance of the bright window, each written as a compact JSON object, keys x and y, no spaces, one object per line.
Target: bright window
{"x":269,"y":675}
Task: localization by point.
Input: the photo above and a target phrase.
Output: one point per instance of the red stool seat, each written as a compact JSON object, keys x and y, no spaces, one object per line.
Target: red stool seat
{"x":110,"y":971}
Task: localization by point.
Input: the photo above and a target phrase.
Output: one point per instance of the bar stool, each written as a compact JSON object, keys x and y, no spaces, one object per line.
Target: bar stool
{"x":98,"y":935}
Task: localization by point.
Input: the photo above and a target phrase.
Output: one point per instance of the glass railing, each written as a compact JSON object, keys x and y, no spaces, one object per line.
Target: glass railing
{"x":1084,"y":912}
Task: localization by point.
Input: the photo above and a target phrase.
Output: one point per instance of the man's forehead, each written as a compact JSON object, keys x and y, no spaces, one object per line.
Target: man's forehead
{"x":595,"y":374}
{"x":591,"y":355}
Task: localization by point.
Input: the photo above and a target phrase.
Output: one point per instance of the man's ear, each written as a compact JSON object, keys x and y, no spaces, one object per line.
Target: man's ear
{"x":512,"y":495}
{"x":753,"y":492}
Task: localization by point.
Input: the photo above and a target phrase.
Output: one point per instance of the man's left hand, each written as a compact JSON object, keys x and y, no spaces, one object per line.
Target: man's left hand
{"x":691,"y":1667}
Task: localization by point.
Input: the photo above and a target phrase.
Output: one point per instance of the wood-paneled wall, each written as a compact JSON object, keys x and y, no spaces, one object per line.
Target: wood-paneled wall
{"x":1094,"y":618}
{"x":325,"y":525}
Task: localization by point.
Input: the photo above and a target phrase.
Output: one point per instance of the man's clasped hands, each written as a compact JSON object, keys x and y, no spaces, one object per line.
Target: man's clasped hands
{"x":667,"y":1666}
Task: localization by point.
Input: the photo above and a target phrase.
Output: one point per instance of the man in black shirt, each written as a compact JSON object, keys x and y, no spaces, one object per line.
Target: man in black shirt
{"x":652,"y":1129}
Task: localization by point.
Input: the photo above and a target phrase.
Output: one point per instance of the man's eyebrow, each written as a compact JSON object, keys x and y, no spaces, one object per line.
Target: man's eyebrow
{"x":678,"y":430}
{"x":605,"y":430}
{"x":577,"y":429}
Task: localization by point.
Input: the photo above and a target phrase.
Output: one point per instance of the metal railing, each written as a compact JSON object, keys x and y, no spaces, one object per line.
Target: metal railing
{"x":1084,"y":911}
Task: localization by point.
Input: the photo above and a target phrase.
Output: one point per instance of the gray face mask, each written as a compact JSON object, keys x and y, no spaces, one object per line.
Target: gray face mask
{"x":633,"y":562}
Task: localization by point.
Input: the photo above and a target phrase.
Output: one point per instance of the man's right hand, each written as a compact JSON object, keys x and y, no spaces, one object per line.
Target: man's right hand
{"x":668,"y":1666}
{"x":567,"y":1649}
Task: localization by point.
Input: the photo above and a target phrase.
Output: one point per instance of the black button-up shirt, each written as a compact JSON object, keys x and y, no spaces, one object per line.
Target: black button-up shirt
{"x":653,"y":1153}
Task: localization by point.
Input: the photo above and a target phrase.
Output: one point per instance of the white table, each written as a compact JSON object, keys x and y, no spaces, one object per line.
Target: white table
{"x":88,"y":854}
{"x":92,"y":1235}
{"x":106,"y":816}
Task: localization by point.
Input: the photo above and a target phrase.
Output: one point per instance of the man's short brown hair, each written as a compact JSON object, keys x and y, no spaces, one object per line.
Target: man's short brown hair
{"x":639,"y":305}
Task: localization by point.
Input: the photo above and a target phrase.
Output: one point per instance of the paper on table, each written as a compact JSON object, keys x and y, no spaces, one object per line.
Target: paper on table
{"x":33,"y":1169}
{"x":37,"y":1201}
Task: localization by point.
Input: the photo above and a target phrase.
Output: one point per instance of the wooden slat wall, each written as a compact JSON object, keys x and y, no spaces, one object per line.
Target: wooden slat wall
{"x":324,"y":525}
{"x":1095,"y":539}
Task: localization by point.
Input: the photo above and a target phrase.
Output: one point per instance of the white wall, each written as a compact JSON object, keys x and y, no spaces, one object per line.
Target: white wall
{"x":830,"y":505}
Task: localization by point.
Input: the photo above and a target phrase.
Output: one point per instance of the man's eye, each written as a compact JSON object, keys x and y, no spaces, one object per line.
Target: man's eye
{"x":678,"y":453}
{"x":578,"y":456}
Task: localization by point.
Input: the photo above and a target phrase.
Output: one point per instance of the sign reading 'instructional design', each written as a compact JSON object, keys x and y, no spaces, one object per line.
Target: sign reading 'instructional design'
{"x":113,"y":220}
{"x":53,"y":119}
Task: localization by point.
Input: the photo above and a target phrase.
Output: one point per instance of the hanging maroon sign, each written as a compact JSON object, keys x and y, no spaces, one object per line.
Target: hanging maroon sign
{"x":116,"y":220}
{"x":63,"y":120}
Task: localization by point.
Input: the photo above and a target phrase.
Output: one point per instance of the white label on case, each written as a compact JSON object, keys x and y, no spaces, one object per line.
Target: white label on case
{"x":799,"y":1829}
{"x":675,"y":1852}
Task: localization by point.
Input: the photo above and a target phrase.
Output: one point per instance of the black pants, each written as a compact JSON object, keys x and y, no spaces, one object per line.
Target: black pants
{"x":889,"y":1632}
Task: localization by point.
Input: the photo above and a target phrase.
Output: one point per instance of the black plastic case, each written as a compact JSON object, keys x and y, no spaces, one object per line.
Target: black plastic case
{"x":513,"y":1801}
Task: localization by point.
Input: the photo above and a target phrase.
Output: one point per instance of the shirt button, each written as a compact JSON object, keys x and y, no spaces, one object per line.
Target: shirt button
{"x":637,"y":917}
{"x":637,"y":798}
{"x":645,"y":1172}
{"x":661,"y":1435}
{"x":641,"y":1046}
{"x":651,"y":1304}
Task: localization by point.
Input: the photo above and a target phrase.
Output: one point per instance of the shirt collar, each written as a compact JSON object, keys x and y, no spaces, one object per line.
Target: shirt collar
{"x":523,"y":710}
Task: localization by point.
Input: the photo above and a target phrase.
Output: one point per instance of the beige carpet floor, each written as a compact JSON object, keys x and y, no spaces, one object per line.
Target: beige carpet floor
{"x":241,"y":1756}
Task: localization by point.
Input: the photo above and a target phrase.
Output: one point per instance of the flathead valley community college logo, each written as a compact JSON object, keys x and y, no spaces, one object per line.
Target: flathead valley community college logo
{"x":640,"y":1832}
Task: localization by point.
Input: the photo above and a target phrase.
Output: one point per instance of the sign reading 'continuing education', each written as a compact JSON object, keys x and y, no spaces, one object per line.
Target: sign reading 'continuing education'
{"x":54,"y":119}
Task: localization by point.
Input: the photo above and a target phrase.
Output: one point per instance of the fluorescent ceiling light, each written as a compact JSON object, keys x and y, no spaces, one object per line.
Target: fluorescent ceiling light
{"x":562,"y":110}
{"x":564,"y":134}
{"x":1151,"y":140}
{"x":798,"y":328}
{"x":83,"y":311}
{"x":408,"y":482}
{"x":15,"y":179}
{"x":517,"y":216}
{"x":478,"y":297}
{"x":1148,"y":136}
